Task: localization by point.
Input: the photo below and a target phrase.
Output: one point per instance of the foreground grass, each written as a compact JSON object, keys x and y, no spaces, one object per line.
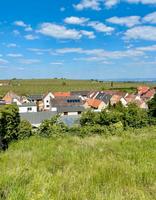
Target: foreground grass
{"x":72,"y":168}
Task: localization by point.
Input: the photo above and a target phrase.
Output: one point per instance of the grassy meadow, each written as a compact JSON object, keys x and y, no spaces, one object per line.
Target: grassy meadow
{"x":41,"y":86}
{"x":74,"y":168}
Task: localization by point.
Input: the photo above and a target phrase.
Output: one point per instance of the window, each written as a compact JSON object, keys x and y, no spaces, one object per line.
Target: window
{"x":29,"y":109}
{"x":47,"y":101}
{"x":47,"y":106}
{"x":65,"y":113}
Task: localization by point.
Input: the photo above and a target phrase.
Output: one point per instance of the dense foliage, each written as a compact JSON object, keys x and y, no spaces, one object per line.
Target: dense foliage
{"x":131,"y":116}
{"x":9,"y":124}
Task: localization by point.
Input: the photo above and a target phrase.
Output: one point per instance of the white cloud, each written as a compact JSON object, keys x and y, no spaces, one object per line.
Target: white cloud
{"x":16,"y":32}
{"x":126,"y":21}
{"x":142,"y":1}
{"x":147,"y":48}
{"x":102,"y":54}
{"x":3,"y":61}
{"x":75,"y":20}
{"x":56,"y":63}
{"x":85,"y":4}
{"x":150,"y":18}
{"x":89,"y":34}
{"x":31,"y":37}
{"x":29,"y":61}
{"x":20,"y":23}
{"x":110,"y":3}
{"x":12,"y":45}
{"x":60,"y":32}
{"x":100,"y":27}
{"x":141,"y":32}
{"x":97,"y":4}
{"x":13,"y":55}
{"x":24,"y":25}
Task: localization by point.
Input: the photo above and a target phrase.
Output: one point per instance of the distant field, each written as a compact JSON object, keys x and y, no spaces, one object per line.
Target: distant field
{"x":73,"y":168}
{"x":26,"y":87}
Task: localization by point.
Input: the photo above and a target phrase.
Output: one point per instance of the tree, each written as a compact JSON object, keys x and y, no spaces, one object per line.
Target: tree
{"x":152,"y":106}
{"x":9,"y":123}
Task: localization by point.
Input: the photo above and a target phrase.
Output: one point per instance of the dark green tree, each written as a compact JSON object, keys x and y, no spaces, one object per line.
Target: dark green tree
{"x":152,"y":106}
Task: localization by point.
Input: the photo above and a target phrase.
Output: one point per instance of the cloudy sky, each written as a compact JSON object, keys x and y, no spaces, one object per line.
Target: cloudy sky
{"x":80,"y":39}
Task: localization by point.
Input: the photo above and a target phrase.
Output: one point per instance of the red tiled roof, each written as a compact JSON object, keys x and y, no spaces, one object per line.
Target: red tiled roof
{"x":142,"y":89}
{"x":94,"y":102}
{"x":62,"y":94}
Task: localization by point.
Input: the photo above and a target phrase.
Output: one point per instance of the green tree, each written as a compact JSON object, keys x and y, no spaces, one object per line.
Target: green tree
{"x":152,"y":106}
{"x":9,"y":123}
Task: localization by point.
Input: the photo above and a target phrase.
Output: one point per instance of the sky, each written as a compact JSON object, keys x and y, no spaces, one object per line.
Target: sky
{"x":78,"y":39}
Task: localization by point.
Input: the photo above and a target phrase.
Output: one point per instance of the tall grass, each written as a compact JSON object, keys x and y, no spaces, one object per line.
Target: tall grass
{"x":73,"y":168}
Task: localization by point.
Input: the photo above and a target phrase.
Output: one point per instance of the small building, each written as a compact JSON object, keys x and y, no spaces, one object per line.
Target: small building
{"x":27,"y":107}
{"x":70,"y":110}
{"x":67,"y":105}
{"x":47,"y":100}
{"x":11,"y":97}
{"x":38,"y":100}
{"x":95,"y":104}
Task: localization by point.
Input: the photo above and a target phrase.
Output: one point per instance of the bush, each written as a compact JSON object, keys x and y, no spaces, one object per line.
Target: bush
{"x":135,"y":117}
{"x":52,"y":127}
{"x":25,"y":129}
{"x":9,"y":124}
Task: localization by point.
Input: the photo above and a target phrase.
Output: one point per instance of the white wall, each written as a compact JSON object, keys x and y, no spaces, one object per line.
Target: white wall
{"x":46,"y":101}
{"x":24,"y":109}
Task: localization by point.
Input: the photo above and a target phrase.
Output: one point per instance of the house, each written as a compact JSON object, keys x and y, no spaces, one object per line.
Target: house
{"x":148,"y":95}
{"x":104,"y":97}
{"x":27,"y":107}
{"x":116,"y":99}
{"x":82,"y":94}
{"x":38,"y":100}
{"x":142,"y":90}
{"x":67,"y":105}
{"x":70,"y":110}
{"x":46,"y":100}
{"x":95,"y":104}
{"x":132,"y":98}
{"x":11,"y":97}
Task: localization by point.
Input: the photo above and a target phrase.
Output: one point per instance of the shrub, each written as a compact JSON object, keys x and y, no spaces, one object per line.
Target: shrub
{"x":135,"y":117}
{"x":152,"y":106}
{"x":9,"y":124}
{"x":25,"y":129}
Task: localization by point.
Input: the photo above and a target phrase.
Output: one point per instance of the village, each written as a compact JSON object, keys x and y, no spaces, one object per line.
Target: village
{"x":70,"y":105}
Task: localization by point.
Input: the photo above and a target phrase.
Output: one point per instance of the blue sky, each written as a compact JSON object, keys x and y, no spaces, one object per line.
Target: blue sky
{"x":79,"y":39}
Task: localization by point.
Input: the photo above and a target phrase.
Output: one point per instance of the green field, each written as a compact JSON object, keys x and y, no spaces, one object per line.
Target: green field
{"x":34,"y":86}
{"x":74,"y":168}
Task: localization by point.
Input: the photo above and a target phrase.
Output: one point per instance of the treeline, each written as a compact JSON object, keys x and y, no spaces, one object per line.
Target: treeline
{"x":110,"y":121}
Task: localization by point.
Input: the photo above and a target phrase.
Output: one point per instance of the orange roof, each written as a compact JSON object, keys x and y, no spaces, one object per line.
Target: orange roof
{"x":150,"y":93}
{"x":142,"y":89}
{"x":62,"y":94}
{"x":94,"y":102}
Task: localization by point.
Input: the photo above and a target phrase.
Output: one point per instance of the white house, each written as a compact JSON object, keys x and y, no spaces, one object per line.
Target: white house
{"x":27,"y":107}
{"x":47,"y":100}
